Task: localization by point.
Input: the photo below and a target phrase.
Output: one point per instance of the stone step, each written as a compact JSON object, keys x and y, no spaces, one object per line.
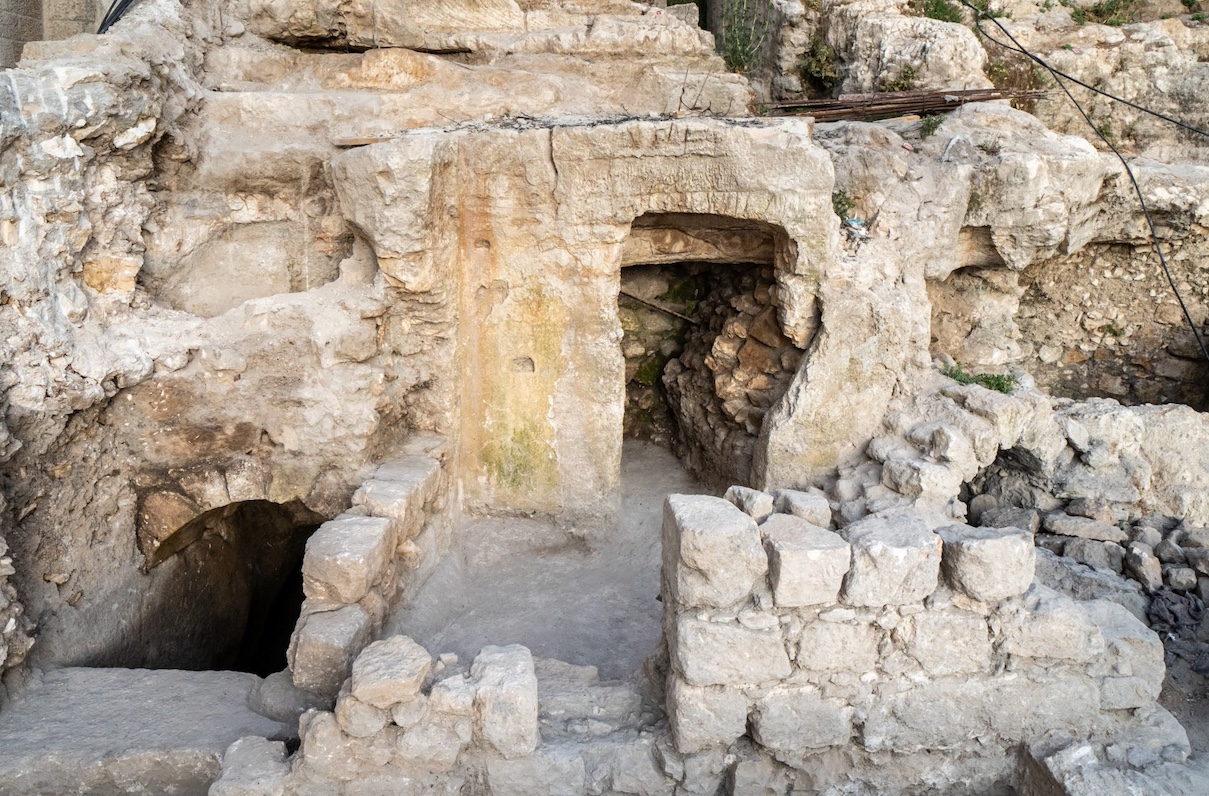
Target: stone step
{"x":126,"y":731}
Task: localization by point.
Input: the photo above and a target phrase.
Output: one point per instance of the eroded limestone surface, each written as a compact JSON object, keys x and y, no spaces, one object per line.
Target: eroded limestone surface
{"x":324,"y":289}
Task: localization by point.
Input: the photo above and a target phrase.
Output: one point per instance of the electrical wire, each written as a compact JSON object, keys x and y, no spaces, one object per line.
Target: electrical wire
{"x":1058,"y":76}
{"x":1019,"y":48}
{"x":115,"y":12}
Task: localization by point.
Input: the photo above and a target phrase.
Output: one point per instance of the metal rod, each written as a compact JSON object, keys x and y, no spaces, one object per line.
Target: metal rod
{"x":656,"y":307}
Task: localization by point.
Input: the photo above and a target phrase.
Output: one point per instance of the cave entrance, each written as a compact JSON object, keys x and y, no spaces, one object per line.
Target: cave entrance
{"x":225,"y":592}
{"x":705,"y":354}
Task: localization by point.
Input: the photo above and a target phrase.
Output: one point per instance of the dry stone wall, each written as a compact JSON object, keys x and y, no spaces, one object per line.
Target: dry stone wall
{"x":360,"y":564}
{"x":886,"y":637}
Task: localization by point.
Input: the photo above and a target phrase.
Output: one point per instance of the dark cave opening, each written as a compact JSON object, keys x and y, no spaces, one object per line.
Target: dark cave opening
{"x":228,"y":595}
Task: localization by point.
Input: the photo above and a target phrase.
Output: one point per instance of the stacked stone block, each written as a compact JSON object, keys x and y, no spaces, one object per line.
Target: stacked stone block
{"x":405,"y":716}
{"x":888,"y":637}
{"x":20,"y":22}
{"x":357,"y":565}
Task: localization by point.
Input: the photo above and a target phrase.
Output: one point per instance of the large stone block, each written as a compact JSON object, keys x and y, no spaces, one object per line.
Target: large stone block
{"x":704,"y":717}
{"x":895,"y":561}
{"x":837,"y":647}
{"x":1132,"y":666}
{"x":432,"y":745}
{"x":806,"y":563}
{"x":963,"y":713}
{"x":1052,"y":626}
{"x":712,"y":554}
{"x":948,"y":642}
{"x":323,"y":649}
{"x":988,"y":564}
{"x":357,"y":718}
{"x":713,"y":653}
{"x":505,"y":700}
{"x":1011,"y":517}
{"x":253,"y":767}
{"x":756,"y":504}
{"x":554,"y":771}
{"x":789,"y":720}
{"x":923,"y":480}
{"x":390,"y":671}
{"x":345,"y":558}
{"x":810,"y":506}
{"x":399,"y":490}
{"x":1084,"y":528}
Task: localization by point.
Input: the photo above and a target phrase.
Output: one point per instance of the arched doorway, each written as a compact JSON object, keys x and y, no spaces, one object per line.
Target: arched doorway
{"x":705,"y":354}
{"x":224,"y":592}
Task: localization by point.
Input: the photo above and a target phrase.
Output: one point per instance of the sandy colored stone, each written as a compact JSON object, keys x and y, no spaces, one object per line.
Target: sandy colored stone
{"x":796,"y":719}
{"x":807,"y":564}
{"x":711,"y":551}
{"x":1052,"y":626}
{"x":390,"y":671}
{"x":505,"y":700}
{"x":895,"y":561}
{"x":712,"y":653}
{"x":702,"y":717}
{"x":345,"y":558}
{"x":810,"y":506}
{"x":834,"y":646}
{"x":988,"y":565}
{"x":324,"y":646}
{"x":948,"y":642}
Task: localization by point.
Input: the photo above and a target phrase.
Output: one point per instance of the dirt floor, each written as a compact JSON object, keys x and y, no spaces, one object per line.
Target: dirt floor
{"x":521,"y":581}
{"x":1186,"y":695}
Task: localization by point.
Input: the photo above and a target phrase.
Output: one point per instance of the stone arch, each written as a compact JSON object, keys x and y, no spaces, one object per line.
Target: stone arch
{"x":706,"y":358}
{"x":221,"y":591}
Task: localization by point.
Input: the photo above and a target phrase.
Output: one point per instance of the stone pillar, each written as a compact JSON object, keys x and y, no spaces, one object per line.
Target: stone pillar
{"x":62,"y":19}
{"x":20,"y":21}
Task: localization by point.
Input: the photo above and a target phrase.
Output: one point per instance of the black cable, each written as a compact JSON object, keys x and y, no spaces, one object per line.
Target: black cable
{"x":115,"y":12}
{"x":1019,"y":48}
{"x":1154,"y":235}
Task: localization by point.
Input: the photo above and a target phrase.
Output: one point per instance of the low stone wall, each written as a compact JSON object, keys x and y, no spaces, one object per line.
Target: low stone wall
{"x":359,"y":564}
{"x":830,"y":651}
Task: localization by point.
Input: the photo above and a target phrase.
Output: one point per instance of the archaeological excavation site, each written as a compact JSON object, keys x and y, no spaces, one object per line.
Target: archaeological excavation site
{"x":604,"y":398}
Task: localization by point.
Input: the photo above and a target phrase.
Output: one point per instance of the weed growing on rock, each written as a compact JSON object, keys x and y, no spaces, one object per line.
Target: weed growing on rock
{"x":1199,"y":17}
{"x":746,"y":28}
{"x":1112,"y":12}
{"x":820,"y":66}
{"x":904,"y":82}
{"x":943,"y":10}
{"x":930,"y":124}
{"x":985,"y":11}
{"x":1004,"y":383}
{"x":842,"y":204}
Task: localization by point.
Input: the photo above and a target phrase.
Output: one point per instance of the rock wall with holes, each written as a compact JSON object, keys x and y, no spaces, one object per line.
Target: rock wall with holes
{"x":702,"y":386}
{"x":652,"y":337}
{"x":537,"y":274}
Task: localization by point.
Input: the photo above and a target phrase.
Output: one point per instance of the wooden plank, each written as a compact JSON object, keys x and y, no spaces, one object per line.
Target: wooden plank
{"x":888,"y":104}
{"x":348,"y":143}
